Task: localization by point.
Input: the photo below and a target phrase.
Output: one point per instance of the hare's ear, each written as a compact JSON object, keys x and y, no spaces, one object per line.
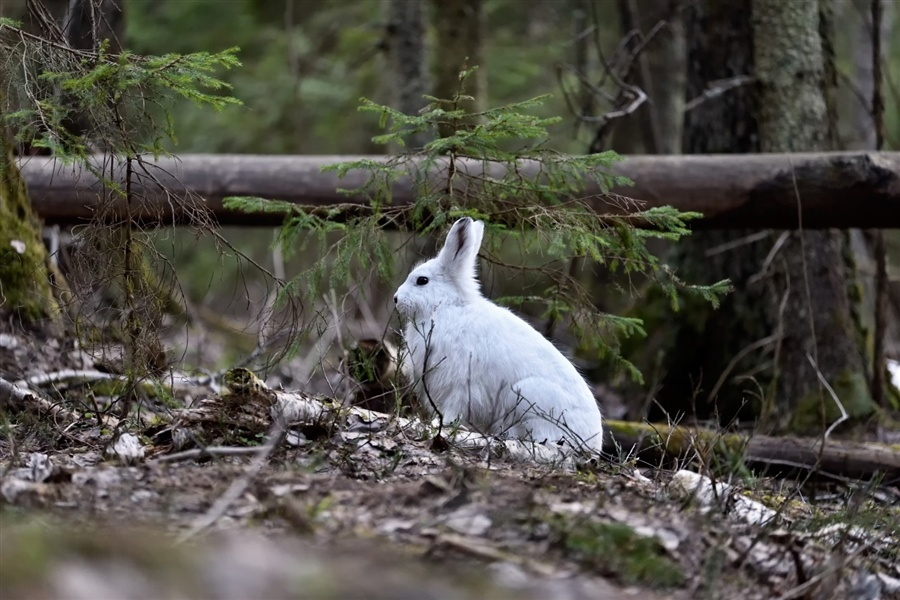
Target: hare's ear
{"x":461,"y":247}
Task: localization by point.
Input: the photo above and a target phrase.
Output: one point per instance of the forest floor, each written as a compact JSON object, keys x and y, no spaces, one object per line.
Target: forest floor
{"x":357,"y":509}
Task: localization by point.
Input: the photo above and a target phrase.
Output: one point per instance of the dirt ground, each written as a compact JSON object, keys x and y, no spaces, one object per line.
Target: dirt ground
{"x":352,"y":508}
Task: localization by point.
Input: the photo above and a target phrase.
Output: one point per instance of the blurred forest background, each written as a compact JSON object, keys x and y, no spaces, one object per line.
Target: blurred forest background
{"x":307,"y":63}
{"x":155,"y":322}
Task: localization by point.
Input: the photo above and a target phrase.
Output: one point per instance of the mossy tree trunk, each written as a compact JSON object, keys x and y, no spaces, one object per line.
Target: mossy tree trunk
{"x":24,"y":276}
{"x":751,"y":358}
{"x":814,"y":272}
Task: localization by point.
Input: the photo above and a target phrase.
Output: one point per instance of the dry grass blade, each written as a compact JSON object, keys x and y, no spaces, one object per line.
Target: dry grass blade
{"x":831,"y":392}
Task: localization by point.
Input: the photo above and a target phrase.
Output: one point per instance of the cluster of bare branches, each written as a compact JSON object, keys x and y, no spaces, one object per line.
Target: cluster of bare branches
{"x":613,"y":89}
{"x":621,"y":88}
{"x":69,"y":90}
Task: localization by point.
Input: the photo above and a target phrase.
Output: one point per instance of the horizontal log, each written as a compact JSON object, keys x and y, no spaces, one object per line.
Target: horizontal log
{"x":857,"y":460}
{"x":838,"y":190}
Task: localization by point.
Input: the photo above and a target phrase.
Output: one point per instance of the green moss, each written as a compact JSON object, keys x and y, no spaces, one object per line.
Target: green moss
{"x":893,"y":394}
{"x":26,"y":559}
{"x":24,"y":277}
{"x":789,"y":507}
{"x":855,"y":291}
{"x":851,"y":388}
{"x":26,"y":287}
{"x":108,"y":387}
{"x":615,"y":549}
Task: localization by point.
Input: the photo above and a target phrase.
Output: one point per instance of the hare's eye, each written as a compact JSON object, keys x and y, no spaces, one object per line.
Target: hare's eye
{"x":421,"y":281}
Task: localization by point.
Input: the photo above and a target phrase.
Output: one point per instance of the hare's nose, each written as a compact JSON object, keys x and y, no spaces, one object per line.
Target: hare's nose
{"x":395,"y":299}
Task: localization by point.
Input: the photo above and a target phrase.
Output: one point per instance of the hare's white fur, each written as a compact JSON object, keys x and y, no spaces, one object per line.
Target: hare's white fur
{"x":481,"y":364}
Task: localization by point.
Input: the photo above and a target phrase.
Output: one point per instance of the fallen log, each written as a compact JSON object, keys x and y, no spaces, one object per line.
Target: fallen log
{"x":840,"y":190}
{"x":856,"y":460}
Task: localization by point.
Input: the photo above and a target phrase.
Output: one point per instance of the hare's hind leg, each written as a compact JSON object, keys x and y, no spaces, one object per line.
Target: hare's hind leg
{"x":543,"y":411}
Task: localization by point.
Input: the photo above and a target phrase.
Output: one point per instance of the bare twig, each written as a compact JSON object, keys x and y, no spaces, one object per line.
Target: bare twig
{"x":70,"y":374}
{"x":208,"y":451}
{"x":734,"y":244}
{"x":425,"y":371}
{"x":834,"y":396}
{"x":627,"y":98}
{"x":773,"y":252}
{"x":717,"y":88}
{"x":639,"y":98}
{"x":19,"y":397}
{"x":807,"y":289}
{"x":761,"y":343}
{"x":489,"y":553}
{"x":804,"y":588}
{"x":239,"y":485}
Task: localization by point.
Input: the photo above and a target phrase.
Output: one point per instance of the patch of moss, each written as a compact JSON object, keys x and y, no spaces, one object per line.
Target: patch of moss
{"x":108,"y":387}
{"x":789,"y":507}
{"x":23,"y":270}
{"x":24,"y":279}
{"x":893,"y":393}
{"x":25,"y":560}
{"x":617,"y":550}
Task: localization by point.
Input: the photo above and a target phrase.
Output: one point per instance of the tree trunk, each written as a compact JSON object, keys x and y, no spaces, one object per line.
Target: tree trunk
{"x":405,"y":37}
{"x":712,"y":357}
{"x":751,"y":358}
{"x":656,"y":127}
{"x":859,"y":131}
{"x":406,"y":58}
{"x":24,"y":275}
{"x":667,"y":65}
{"x":813,"y":273}
{"x":858,"y":128}
{"x":459,"y":25}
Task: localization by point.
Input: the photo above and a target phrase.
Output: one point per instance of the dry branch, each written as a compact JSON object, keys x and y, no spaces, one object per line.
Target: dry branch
{"x":249,"y":405}
{"x":857,"y":460}
{"x":14,"y":397}
{"x":841,"y":190}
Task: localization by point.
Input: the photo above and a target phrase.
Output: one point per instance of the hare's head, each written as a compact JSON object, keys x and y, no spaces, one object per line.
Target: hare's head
{"x":449,"y":277}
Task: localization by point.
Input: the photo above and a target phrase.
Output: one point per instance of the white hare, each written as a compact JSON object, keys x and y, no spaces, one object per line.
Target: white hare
{"x":481,"y":364}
